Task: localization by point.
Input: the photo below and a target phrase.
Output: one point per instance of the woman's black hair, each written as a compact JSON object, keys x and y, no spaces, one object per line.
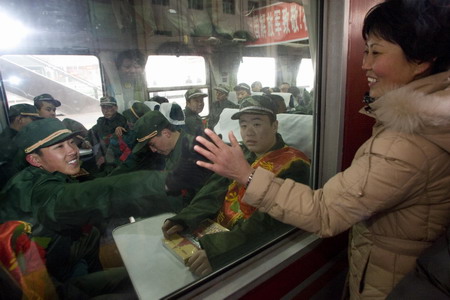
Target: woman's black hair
{"x":420,"y":27}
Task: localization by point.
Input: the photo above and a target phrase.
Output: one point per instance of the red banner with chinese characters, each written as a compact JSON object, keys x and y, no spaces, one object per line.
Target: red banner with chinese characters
{"x":278,"y":23}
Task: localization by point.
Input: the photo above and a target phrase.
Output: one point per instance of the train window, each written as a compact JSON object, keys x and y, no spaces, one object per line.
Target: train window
{"x":135,"y":50}
{"x":161,"y":2}
{"x":228,"y":6}
{"x":195,"y":4}
{"x":305,"y":75}
{"x":162,"y":80}
{"x":261,"y":69}
{"x":75,"y":80}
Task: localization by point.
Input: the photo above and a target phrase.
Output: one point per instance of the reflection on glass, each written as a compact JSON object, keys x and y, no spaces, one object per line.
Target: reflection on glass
{"x":75,"y":80}
{"x":170,"y":47}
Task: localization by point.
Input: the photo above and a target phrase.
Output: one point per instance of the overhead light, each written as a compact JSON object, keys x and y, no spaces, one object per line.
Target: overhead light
{"x":14,"y":80}
{"x":11,"y":38}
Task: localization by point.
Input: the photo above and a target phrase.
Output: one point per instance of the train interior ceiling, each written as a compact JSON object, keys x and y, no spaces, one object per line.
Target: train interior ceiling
{"x":70,"y":48}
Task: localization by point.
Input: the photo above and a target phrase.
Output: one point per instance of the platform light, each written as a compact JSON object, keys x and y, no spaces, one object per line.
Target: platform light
{"x":12,"y":32}
{"x":14,"y":80}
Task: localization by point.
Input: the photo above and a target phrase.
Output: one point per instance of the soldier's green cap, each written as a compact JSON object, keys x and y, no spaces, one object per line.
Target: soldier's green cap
{"x":25,"y":110}
{"x":137,"y":110}
{"x":41,"y":134}
{"x":222,"y":88}
{"x":194,"y":93}
{"x":260,"y":105}
{"x":48,"y":98}
{"x":108,"y":100}
{"x":242,"y":86}
{"x":147,"y":127}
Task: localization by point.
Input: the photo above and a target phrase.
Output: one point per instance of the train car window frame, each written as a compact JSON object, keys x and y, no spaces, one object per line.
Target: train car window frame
{"x":182,"y":29}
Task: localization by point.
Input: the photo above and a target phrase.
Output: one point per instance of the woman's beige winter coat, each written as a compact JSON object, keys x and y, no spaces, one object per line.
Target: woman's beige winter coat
{"x":395,"y":196}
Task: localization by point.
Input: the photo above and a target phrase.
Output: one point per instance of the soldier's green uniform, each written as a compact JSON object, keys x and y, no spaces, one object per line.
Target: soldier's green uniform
{"x":246,"y":235}
{"x":59,"y":207}
{"x":219,"y":198}
{"x":218,"y":106}
{"x":9,"y":164}
{"x":100,"y":134}
{"x":193,"y":122}
{"x":102,"y":131}
{"x":119,"y":148}
{"x":143,"y":158}
{"x":8,"y":150}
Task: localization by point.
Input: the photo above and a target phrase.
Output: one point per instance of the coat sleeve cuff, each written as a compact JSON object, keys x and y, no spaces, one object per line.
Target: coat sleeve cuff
{"x":261,"y":191}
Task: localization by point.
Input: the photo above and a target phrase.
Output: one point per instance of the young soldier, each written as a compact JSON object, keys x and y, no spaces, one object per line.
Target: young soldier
{"x":157,"y":145}
{"x":221,"y":102}
{"x":256,"y":86}
{"x":100,"y":134}
{"x":46,"y":105}
{"x":194,"y":106}
{"x":123,"y":140}
{"x":242,"y":91}
{"x":284,"y":87}
{"x":59,"y":208}
{"x":19,"y":116}
{"x":221,"y":199}
{"x":160,"y":147}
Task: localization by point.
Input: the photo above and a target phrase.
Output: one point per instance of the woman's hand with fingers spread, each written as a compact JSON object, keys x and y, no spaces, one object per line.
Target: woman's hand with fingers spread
{"x":225,"y":160}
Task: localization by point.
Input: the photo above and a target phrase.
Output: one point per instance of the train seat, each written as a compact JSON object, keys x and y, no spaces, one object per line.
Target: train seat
{"x":296,"y":130}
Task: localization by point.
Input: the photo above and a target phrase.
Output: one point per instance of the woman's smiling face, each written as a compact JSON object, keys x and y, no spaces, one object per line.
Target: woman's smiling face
{"x":387,"y":67}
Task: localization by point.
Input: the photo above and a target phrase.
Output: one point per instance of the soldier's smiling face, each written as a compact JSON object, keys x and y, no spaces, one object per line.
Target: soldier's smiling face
{"x":63,"y":157}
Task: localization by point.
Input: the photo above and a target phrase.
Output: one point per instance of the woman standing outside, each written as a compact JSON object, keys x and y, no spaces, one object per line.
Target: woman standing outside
{"x":395,"y":196}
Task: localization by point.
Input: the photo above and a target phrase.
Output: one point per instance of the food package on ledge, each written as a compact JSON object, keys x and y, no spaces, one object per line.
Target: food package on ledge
{"x":184,"y":245}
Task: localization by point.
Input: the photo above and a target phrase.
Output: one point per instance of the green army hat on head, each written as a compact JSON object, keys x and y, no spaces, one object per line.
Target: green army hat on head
{"x":243,"y":86}
{"x":194,"y":93}
{"x":25,"y":110}
{"x":260,"y":105}
{"x":137,"y":110}
{"x":108,"y":100}
{"x":222,"y":88}
{"x":42,"y":133}
{"x":48,"y":98}
{"x":147,"y":127}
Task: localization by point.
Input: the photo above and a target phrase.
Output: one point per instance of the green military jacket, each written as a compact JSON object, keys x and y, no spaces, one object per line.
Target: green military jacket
{"x":8,"y":150}
{"x":101,"y":132}
{"x":246,"y":235}
{"x":193,"y":122}
{"x":216,"y":109}
{"x":148,"y":160}
{"x":62,"y":204}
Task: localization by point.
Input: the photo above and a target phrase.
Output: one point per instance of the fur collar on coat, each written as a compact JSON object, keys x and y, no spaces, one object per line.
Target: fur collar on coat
{"x":421,"y":107}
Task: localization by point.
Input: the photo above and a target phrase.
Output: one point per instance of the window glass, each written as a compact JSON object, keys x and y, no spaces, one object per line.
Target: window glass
{"x":261,"y":69}
{"x":75,"y":80}
{"x":160,"y":2}
{"x":164,"y":71}
{"x":305,"y":76}
{"x":228,"y":6}
{"x":195,"y":4}
{"x":80,"y":51}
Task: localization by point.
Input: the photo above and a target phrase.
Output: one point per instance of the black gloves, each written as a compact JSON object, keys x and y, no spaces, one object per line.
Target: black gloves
{"x":186,"y":174}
